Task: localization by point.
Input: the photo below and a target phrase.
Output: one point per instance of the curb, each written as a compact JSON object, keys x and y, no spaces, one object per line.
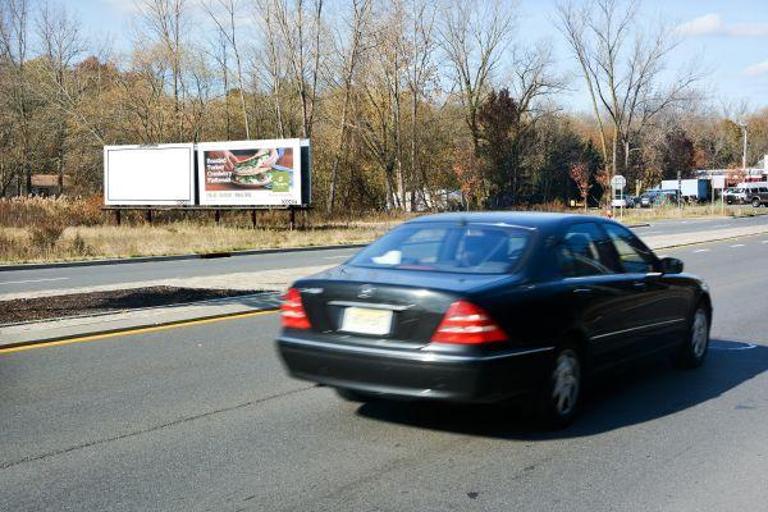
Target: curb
{"x":147,"y":259}
{"x":131,"y":329}
{"x":723,"y":239}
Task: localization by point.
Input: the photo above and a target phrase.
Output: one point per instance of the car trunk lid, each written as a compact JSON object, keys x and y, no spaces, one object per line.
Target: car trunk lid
{"x":375,"y":306}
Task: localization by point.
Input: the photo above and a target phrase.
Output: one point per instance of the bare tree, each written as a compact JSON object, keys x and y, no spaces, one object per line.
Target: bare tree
{"x":224,"y":14}
{"x":14,"y":27}
{"x":269,"y":63}
{"x":621,"y":64}
{"x":474,"y":35}
{"x":350,"y":59}
{"x":300,"y":27}
{"x":166,"y":20}
{"x":421,"y":46}
{"x":59,"y":35}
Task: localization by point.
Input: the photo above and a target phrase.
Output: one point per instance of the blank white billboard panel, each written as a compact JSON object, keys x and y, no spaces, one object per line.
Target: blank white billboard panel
{"x":149,"y":175}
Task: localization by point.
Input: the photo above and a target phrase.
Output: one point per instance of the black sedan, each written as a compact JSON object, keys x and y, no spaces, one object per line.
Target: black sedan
{"x":488,"y":307}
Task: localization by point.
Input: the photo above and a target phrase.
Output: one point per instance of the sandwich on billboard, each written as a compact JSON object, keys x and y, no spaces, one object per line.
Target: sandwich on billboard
{"x":161,"y":174}
{"x":253,"y":173}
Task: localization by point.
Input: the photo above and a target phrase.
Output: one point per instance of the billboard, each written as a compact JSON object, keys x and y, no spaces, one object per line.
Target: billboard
{"x":253,"y":173}
{"x":161,"y":174}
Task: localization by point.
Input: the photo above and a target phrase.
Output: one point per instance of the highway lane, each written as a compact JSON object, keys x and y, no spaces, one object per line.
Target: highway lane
{"x":19,"y":281}
{"x":203,"y":418}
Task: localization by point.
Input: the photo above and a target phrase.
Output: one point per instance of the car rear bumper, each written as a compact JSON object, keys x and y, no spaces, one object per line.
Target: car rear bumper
{"x":484,"y":378}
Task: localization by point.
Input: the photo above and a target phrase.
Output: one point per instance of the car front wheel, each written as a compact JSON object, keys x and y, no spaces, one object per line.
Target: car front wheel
{"x":559,"y":399}
{"x":694,"y":348}
{"x":756,"y":203}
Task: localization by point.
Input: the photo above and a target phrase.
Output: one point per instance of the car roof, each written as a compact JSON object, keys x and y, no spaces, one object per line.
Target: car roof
{"x":539,"y":220}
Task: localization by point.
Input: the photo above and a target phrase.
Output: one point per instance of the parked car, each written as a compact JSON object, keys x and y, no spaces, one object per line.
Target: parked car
{"x":658,"y":197}
{"x":489,"y":307}
{"x":735,"y":195}
{"x":623,"y":202}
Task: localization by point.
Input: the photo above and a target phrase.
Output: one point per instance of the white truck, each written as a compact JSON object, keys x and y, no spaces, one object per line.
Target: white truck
{"x":697,"y":190}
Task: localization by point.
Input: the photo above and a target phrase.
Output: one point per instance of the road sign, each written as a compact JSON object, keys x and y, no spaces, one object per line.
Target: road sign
{"x":718,"y":182}
{"x":618,"y":181}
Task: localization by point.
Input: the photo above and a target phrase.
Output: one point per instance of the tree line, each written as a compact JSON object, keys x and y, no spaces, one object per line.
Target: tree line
{"x":409,"y":104}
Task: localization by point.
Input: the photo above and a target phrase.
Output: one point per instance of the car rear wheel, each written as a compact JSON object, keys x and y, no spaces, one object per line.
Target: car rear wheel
{"x":694,"y":348}
{"x":559,"y":399}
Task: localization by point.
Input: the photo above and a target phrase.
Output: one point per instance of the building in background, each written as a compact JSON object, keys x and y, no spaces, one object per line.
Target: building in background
{"x":45,"y":185}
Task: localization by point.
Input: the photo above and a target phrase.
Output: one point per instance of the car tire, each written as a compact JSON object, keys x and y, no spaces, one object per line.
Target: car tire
{"x":559,"y":399}
{"x":350,"y":395}
{"x":756,"y":203}
{"x":696,"y":344}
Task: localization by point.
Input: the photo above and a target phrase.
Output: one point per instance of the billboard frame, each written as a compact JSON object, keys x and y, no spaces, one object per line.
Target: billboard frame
{"x":191,"y":198}
{"x":302,"y":158}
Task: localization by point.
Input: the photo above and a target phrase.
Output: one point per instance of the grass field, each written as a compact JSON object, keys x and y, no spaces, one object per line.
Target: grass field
{"x":41,"y":230}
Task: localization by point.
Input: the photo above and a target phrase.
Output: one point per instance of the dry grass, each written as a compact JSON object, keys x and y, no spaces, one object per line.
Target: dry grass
{"x":640,"y":215}
{"x":33,"y":230}
{"x":182,"y":238}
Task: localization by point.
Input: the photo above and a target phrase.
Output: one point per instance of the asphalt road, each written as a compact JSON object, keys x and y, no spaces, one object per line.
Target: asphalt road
{"x":18,"y":281}
{"x":203,"y":418}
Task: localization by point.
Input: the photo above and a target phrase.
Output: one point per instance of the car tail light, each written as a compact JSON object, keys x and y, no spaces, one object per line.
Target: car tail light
{"x":466,"y":323}
{"x":292,"y":311}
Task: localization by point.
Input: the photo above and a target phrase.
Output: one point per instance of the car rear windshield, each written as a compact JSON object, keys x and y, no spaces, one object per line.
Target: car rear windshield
{"x":468,"y":248}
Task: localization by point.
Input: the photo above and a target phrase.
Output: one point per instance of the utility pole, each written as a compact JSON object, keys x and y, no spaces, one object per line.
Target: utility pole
{"x":744,"y":154}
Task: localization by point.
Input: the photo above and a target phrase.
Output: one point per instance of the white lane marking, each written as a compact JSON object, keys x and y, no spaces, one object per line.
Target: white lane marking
{"x":702,"y":250}
{"x":737,"y":245}
{"x":732,"y":346}
{"x":720,"y":226}
{"x":335,"y":257}
{"x":765,"y":241}
{"x":35,"y":280}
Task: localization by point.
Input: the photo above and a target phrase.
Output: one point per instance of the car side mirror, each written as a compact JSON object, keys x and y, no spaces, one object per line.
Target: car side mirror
{"x":671,"y":266}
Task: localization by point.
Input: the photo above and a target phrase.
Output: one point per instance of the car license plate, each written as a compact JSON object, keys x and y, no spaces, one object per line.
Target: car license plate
{"x":367,"y":321}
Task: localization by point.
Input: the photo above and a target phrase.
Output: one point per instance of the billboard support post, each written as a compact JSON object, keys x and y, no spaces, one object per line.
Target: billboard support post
{"x":117,"y":217}
{"x":292,"y":222}
{"x":217,"y":216}
{"x":148,"y":216}
{"x":253,"y":218}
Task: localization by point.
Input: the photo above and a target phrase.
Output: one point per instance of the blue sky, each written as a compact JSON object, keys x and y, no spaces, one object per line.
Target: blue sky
{"x":728,"y":38}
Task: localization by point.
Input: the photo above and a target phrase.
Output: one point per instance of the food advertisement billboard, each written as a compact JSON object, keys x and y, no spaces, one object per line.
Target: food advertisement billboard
{"x":160,"y":174}
{"x":252,"y":173}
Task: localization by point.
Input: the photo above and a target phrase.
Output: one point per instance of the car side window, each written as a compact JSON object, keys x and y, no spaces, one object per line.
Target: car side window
{"x":635,"y":257}
{"x":581,"y":252}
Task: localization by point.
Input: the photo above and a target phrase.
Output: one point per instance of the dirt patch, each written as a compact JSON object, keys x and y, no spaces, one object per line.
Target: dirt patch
{"x":62,"y":306}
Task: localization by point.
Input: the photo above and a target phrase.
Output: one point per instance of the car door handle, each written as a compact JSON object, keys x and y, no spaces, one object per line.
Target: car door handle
{"x":582,"y":290}
{"x":640,"y":285}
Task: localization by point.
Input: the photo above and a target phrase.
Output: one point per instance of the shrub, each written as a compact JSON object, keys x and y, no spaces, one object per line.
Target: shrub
{"x":10,"y":248}
{"x":80,"y":247}
{"x":44,"y":237}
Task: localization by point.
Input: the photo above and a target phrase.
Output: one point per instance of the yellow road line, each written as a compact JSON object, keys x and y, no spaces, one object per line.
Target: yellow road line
{"x":132,"y":331}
